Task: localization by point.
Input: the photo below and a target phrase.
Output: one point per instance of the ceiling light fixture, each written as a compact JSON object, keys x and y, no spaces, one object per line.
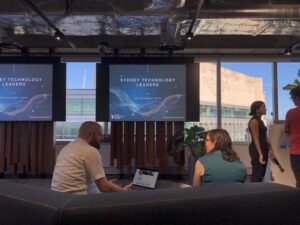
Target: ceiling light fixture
{"x":288,"y":51}
{"x":19,"y":30}
{"x":57,"y":36}
{"x":189,"y":35}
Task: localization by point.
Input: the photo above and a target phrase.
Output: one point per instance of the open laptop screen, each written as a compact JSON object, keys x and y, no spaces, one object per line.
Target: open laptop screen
{"x":145,"y":177}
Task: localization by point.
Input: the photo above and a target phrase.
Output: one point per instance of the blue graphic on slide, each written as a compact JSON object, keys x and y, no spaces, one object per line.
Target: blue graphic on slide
{"x":25,"y":92}
{"x":147,"y":92}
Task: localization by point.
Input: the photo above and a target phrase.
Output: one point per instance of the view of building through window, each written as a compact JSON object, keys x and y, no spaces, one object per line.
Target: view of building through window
{"x":207,"y":96}
{"x":80,"y":100}
{"x":241,"y":84}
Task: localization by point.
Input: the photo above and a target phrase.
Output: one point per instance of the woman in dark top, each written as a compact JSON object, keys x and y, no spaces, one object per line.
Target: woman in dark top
{"x":259,"y":148}
{"x":220,"y":164}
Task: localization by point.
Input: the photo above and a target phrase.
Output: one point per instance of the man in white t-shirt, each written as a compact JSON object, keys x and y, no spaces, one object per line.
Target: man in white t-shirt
{"x":79,"y":164}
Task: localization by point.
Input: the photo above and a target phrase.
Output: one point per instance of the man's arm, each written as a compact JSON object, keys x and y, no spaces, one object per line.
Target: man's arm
{"x":105,"y":185}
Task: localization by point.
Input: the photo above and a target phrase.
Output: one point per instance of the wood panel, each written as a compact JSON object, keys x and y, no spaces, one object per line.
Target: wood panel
{"x":140,"y":144}
{"x":117,"y":143}
{"x":27,"y":147}
{"x":24,"y":148}
{"x":40,"y":152}
{"x":15,"y":146}
{"x":149,"y":146}
{"x":178,"y":127}
{"x":2,"y":147}
{"x":34,"y":148}
{"x":161,"y":147}
{"x":8,"y":141}
{"x":129,"y":148}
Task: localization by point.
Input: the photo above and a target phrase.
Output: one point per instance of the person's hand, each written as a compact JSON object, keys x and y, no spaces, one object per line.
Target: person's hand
{"x":261,"y":159}
{"x":272,"y":155}
{"x":127,"y":187}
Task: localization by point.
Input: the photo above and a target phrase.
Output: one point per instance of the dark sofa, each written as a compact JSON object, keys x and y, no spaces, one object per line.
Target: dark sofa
{"x":253,"y":204}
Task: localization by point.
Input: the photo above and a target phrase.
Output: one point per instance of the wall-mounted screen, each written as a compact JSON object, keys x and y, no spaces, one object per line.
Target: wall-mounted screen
{"x":26,"y":92}
{"x":147,"y":92}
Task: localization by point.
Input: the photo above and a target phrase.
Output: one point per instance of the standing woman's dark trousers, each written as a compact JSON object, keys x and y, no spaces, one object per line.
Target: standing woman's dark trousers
{"x":258,"y":170}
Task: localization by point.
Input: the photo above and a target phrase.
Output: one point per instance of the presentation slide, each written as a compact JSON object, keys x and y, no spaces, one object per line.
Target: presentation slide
{"x":26,"y":92}
{"x":147,"y":92}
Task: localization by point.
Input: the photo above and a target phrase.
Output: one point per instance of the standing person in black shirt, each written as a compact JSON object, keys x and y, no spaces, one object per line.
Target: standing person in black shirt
{"x":260,"y":148}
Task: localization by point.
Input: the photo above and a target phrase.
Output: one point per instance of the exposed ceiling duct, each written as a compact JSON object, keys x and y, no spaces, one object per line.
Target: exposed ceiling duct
{"x":219,"y":26}
{"x":256,"y":11}
{"x":58,"y":34}
{"x":171,"y":28}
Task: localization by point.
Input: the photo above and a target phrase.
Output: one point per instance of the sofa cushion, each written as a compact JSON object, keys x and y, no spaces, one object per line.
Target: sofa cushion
{"x":22,"y":204}
{"x":255,"y":203}
{"x":242,"y":204}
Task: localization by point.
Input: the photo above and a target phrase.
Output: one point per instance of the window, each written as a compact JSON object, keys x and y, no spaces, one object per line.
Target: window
{"x":80,"y":102}
{"x":208,"y":96}
{"x":242,"y":84}
{"x":287,"y":73}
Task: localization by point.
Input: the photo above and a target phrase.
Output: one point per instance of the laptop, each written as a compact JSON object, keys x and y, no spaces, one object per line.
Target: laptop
{"x":145,"y":178}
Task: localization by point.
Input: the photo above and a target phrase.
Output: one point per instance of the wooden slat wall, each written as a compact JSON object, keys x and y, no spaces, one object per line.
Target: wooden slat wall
{"x":27,"y":147}
{"x":177,"y":128}
{"x":140,"y":144}
{"x":2,"y":146}
{"x":161,"y":146}
{"x":150,"y":145}
{"x":128,"y":145}
{"x":147,"y":144}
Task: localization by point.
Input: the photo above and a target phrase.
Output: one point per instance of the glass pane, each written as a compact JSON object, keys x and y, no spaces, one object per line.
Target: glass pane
{"x":287,"y":73}
{"x":81,"y":100}
{"x":81,"y":75}
{"x":81,"y":105}
{"x":69,"y":130}
{"x":208,"y":96}
{"x":242,"y":84}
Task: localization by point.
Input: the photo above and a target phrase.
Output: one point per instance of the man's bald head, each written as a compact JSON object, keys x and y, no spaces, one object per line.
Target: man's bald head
{"x":89,"y":129}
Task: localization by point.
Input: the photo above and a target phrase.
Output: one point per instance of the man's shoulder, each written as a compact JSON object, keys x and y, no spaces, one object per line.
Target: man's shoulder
{"x":295,"y":110}
{"x":79,"y":146}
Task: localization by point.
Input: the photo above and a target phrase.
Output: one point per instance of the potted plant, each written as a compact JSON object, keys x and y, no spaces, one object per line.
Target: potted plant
{"x":192,"y":140}
{"x":294,"y":84}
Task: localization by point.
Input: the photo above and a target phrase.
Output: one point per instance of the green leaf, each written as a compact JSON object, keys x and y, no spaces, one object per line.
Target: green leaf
{"x":297,"y":82}
{"x":289,"y":87}
{"x":192,"y":138}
